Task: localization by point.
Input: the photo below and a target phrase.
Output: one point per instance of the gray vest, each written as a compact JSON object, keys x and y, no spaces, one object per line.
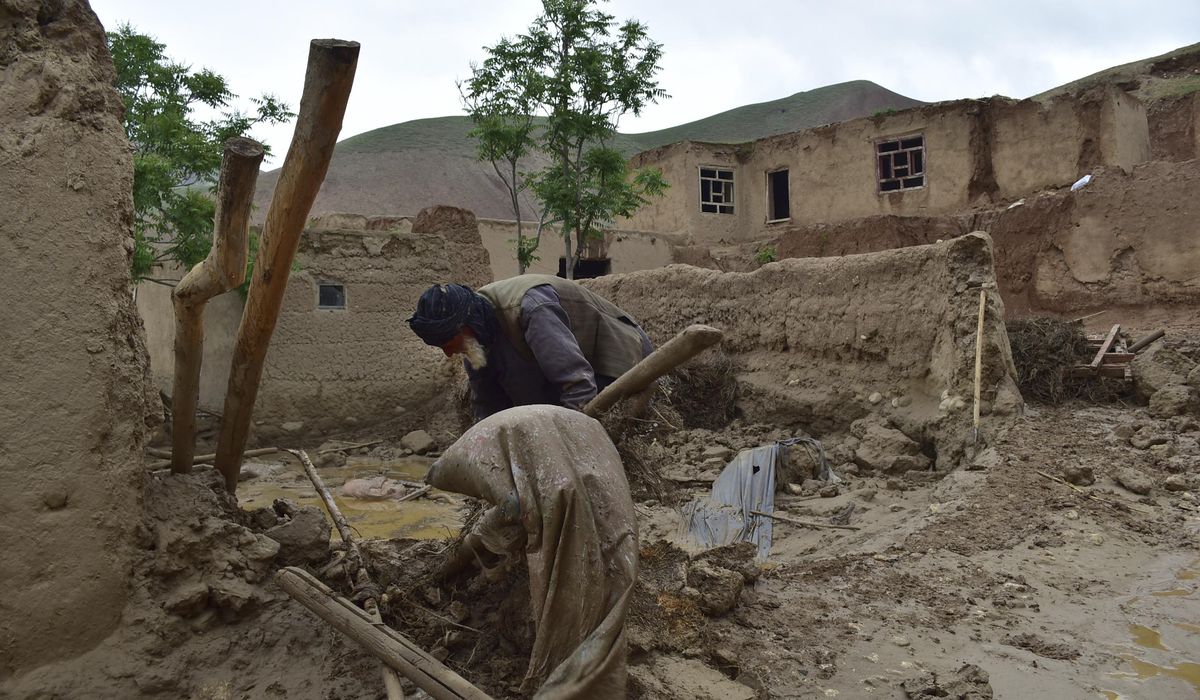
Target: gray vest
{"x":608,"y":337}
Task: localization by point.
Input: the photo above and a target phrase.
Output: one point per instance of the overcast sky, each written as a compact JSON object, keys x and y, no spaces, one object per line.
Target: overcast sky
{"x":719,"y":54}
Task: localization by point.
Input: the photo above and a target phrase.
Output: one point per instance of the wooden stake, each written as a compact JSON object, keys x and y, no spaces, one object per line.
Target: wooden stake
{"x":221,"y":271}
{"x":330,"y":74}
{"x":804,"y":523}
{"x":683,"y":347}
{"x":356,"y":565}
{"x":979,"y":361}
{"x":382,"y":642}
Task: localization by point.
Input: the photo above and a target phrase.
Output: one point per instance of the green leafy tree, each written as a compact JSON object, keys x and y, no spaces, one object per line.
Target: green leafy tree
{"x":501,"y":104}
{"x":176,"y":154}
{"x":582,"y":72}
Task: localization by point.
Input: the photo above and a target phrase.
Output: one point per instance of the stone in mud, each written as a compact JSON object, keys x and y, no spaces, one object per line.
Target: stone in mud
{"x":1175,"y":482}
{"x":1134,"y":481}
{"x":1079,"y":475}
{"x":886,"y":450}
{"x":331,"y":460}
{"x":1145,"y":439}
{"x":967,"y":683}
{"x":1172,"y":400}
{"x":418,"y":441}
{"x":719,"y":452}
{"x":188,"y":599}
{"x":718,"y":588}
{"x":376,"y":488}
{"x":1158,"y":366}
{"x":304,"y":538}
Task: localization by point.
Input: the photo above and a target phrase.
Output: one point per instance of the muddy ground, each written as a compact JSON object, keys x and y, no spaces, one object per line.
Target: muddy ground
{"x":989,"y":581}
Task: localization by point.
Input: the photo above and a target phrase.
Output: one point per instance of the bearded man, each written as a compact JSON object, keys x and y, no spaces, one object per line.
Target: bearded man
{"x":531,"y":339}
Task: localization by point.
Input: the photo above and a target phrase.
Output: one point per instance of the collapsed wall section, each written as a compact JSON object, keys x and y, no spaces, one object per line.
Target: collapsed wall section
{"x":73,"y":408}
{"x":333,"y":367}
{"x":826,"y":341}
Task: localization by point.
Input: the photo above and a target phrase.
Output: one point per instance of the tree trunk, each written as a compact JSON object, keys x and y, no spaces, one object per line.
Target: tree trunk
{"x":327,"y":83}
{"x":221,"y":271}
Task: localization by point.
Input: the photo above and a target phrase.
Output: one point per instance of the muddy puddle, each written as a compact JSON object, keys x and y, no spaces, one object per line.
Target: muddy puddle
{"x":1159,"y":659}
{"x":422,"y":518}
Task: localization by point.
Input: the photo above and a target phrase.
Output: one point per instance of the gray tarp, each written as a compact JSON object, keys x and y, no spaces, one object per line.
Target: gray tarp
{"x":747,"y":484}
{"x":556,"y":476}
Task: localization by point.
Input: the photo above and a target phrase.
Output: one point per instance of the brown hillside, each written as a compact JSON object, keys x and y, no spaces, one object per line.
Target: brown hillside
{"x":406,"y":167}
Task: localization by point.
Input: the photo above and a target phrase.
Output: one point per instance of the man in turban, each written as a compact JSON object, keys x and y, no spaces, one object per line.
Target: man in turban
{"x":531,"y":339}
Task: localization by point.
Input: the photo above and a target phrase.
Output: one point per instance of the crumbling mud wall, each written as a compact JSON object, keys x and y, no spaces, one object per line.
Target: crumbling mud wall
{"x":334,"y":369}
{"x":1127,"y":239}
{"x":827,"y":341}
{"x":73,"y":406}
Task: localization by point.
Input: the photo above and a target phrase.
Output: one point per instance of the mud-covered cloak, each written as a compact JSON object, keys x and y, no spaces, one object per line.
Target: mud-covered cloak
{"x":555,"y":472}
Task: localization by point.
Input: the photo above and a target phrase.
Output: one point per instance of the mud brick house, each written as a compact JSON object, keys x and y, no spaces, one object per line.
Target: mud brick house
{"x":932,"y":160}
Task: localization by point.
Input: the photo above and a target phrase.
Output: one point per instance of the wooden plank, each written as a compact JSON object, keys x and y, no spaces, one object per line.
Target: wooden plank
{"x":1117,"y":358}
{"x":1085,"y":371}
{"x":1108,"y":341}
{"x":381,"y":641}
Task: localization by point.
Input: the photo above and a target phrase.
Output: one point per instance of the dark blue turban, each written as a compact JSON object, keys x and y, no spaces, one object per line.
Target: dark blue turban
{"x":444,"y":309}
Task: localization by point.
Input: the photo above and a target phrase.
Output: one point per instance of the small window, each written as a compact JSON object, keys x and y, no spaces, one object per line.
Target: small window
{"x":331,"y":296}
{"x":716,"y":190}
{"x":778,"y":208}
{"x":901,"y":163}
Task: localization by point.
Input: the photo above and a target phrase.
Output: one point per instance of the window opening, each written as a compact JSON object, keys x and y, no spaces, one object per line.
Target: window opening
{"x":778,"y":207}
{"x":716,"y":190}
{"x":901,"y":163}
{"x":331,"y":296}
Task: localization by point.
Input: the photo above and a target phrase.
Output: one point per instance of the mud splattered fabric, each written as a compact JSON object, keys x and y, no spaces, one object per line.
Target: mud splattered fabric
{"x":555,"y":472}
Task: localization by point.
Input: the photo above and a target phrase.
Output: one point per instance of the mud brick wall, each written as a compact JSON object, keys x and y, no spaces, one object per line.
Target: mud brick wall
{"x":74,"y":368}
{"x":819,"y":336}
{"x":332,"y":370}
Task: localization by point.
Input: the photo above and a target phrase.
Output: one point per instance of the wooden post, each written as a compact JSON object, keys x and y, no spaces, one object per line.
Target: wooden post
{"x":221,"y":271}
{"x":683,"y":347}
{"x":382,"y":642}
{"x":356,"y":565}
{"x":327,"y":83}
{"x":979,"y":364}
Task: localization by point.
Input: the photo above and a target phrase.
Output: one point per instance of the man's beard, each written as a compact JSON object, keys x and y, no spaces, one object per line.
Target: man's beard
{"x":476,"y":356}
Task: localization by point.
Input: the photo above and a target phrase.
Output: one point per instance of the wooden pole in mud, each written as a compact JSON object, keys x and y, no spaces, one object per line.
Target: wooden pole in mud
{"x":979,"y":364}
{"x":327,"y":82}
{"x":221,"y":271}
{"x":683,"y":347}
{"x":382,"y":642}
{"x":355,"y":563}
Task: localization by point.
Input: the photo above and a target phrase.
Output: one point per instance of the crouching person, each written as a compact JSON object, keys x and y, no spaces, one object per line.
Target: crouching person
{"x":559,"y":499}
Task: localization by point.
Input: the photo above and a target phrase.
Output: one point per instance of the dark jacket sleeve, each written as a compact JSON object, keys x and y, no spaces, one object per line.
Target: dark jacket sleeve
{"x":548,"y":334}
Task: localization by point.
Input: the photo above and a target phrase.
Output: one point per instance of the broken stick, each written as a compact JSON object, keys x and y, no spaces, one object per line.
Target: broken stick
{"x":327,"y":82}
{"x":221,"y":271}
{"x":206,"y":458}
{"x":382,"y":642}
{"x":349,"y":447}
{"x":690,"y":342}
{"x":803,"y":523}
{"x":356,"y":566}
